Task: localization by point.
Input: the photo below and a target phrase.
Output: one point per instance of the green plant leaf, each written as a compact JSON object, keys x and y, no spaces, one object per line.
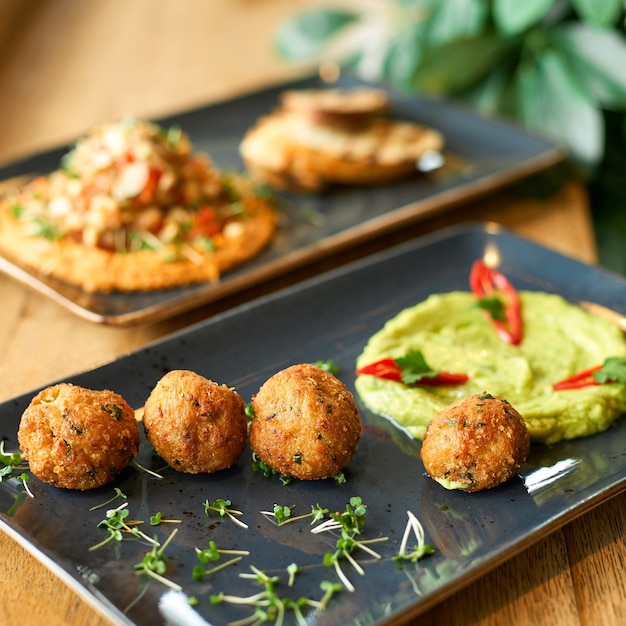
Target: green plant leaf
{"x":456,"y":19}
{"x":304,"y":37}
{"x":600,"y":13}
{"x":553,"y":102}
{"x":515,"y":16}
{"x":460,"y":65}
{"x":404,"y":56}
{"x":598,"y":57}
{"x":490,"y":96}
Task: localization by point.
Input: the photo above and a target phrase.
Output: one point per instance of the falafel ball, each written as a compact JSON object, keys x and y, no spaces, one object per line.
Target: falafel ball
{"x":196,"y":425}
{"x":476,"y":443}
{"x":306,"y":424}
{"x":78,"y":438}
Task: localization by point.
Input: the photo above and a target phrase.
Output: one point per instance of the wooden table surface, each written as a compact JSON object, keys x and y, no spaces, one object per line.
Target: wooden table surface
{"x":68,"y":64}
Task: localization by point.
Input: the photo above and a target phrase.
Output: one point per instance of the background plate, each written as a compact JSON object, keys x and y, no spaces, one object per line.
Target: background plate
{"x":330,"y":317}
{"x":482,"y":156}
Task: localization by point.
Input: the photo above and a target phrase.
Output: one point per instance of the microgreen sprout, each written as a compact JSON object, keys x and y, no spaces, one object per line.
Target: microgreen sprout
{"x":292,"y":570}
{"x":340,"y":478}
{"x":266,"y":471}
{"x":9,"y":462}
{"x":213,"y":553}
{"x":421,"y":549}
{"x":157,"y":519}
{"x":148,"y":471}
{"x":23,"y":478}
{"x":221,"y":507}
{"x":349,"y":524}
{"x":269,"y":606}
{"x":118,"y":494}
{"x":154,"y":563}
{"x":116,"y":525}
{"x":282,"y":514}
{"x":328,"y":366}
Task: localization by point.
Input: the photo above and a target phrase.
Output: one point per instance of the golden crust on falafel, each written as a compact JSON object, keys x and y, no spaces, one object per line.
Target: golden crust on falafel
{"x":306,"y":424}
{"x":78,"y":438}
{"x":476,"y":443}
{"x":196,"y":425}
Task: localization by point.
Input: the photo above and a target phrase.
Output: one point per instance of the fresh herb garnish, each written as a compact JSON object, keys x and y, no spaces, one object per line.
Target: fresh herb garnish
{"x":116,"y":524}
{"x":421,"y":549}
{"x":414,"y":367}
{"x":222,"y":508}
{"x":349,"y":523}
{"x":613,"y":370}
{"x":10,"y":462}
{"x":154,"y":563}
{"x":266,"y":471}
{"x":269,"y":606}
{"x":488,"y":284}
{"x":411,"y":369}
{"x":157,"y":519}
{"x":328,"y":366}
{"x":213,"y":553}
{"x":46,"y":229}
{"x":492,"y":305}
{"x":118,"y":494}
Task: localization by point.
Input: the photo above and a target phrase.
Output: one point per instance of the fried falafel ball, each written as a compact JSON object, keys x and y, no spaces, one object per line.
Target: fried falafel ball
{"x":306,"y":424}
{"x":78,"y":438}
{"x":196,"y":425}
{"x":476,"y":443}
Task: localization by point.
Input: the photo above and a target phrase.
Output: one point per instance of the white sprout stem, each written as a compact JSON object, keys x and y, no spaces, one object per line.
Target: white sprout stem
{"x":413,"y":524}
{"x":354,"y":563}
{"x":162,"y":579}
{"x":329,"y":524}
{"x":363,"y":545}
{"x":148,"y":471}
{"x":221,"y":566}
{"x":27,"y":488}
{"x":234,"y":519}
{"x":171,"y":536}
{"x":344,"y":579}
{"x":299,"y":617}
{"x":259,"y":598}
{"x":405,"y":537}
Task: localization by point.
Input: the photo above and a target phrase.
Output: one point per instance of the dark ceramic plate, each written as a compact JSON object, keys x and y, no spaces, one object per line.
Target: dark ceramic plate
{"x":330,"y":317}
{"x":482,"y":155}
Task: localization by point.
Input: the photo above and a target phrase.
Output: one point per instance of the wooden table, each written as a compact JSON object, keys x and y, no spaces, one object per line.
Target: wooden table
{"x":67,"y":64}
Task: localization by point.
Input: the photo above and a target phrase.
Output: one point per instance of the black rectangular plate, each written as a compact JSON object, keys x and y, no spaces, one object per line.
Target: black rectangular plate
{"x":330,"y":317}
{"x":483,"y":155}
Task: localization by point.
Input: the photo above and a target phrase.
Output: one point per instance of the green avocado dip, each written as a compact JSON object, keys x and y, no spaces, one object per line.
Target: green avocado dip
{"x":560,"y":339}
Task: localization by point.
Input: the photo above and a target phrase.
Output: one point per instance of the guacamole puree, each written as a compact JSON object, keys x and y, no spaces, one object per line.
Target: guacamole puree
{"x":560,"y":339}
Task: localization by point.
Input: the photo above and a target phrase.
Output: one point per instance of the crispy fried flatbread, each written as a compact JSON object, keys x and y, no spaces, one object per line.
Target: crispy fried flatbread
{"x":98,"y":269}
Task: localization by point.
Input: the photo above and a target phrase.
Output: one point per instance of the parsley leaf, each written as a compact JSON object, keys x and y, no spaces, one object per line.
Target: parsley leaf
{"x":414,"y":367}
{"x":613,"y":370}
{"x":493,"y":305}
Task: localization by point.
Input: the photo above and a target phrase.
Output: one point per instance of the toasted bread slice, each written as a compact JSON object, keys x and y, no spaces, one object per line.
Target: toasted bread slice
{"x":289,"y":149}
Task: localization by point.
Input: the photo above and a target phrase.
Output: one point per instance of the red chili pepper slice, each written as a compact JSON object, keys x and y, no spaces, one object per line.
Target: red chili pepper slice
{"x":206,"y":223}
{"x":487,"y":281}
{"x":390,"y":370}
{"x":579,"y":380}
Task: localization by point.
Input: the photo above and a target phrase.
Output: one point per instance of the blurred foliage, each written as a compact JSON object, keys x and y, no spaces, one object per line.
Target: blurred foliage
{"x":553,"y":65}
